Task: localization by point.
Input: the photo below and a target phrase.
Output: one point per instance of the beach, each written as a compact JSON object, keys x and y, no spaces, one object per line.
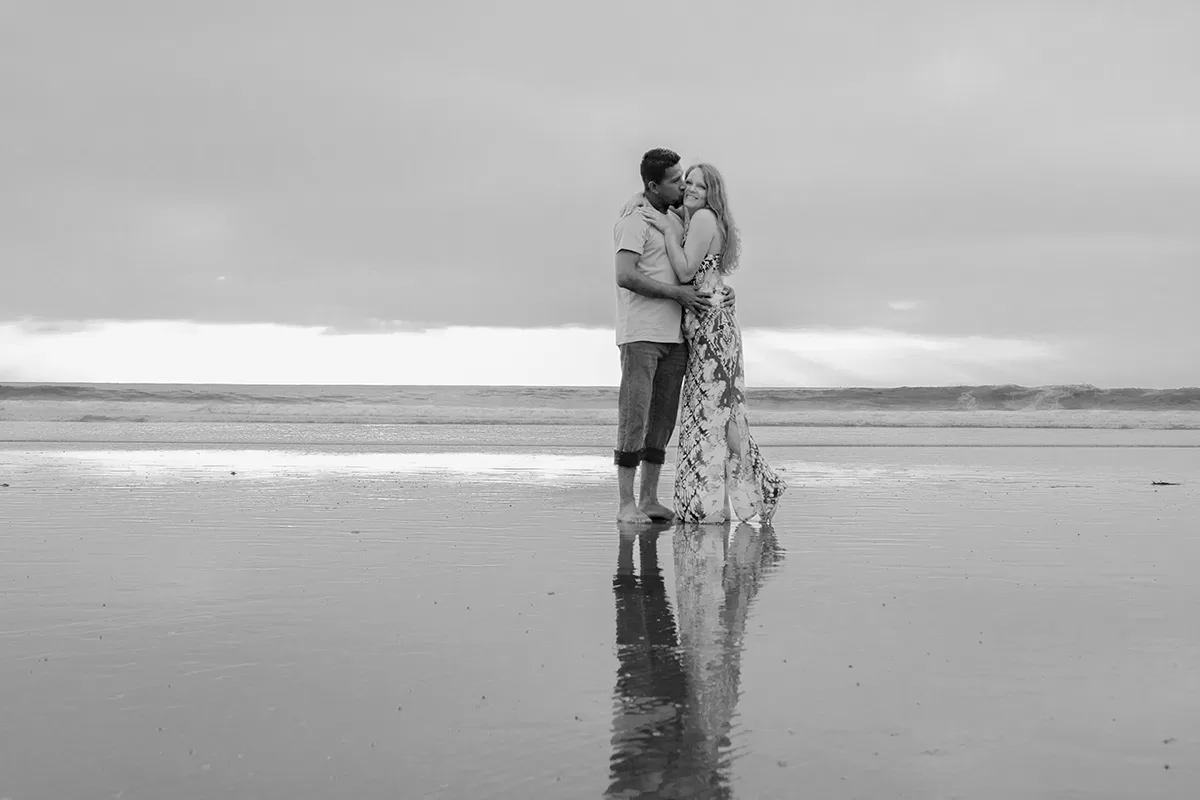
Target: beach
{"x":436,"y":611}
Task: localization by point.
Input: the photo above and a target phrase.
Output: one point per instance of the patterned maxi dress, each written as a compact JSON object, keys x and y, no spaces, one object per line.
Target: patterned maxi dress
{"x":714,"y":393}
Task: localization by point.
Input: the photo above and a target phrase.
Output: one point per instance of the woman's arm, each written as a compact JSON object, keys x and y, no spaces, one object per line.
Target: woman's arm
{"x":686,"y":257}
{"x":634,"y":203}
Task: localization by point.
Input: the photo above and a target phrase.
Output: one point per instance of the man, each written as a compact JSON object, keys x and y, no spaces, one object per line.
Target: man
{"x":650,"y":302}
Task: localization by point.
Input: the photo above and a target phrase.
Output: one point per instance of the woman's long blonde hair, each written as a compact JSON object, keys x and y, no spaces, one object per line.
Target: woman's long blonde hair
{"x":718,"y":203}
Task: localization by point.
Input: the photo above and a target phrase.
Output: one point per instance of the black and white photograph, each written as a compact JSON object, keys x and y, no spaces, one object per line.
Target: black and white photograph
{"x":543,"y":400}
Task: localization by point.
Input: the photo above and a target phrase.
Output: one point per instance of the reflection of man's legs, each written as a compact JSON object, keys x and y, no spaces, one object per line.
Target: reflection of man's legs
{"x":625,"y":574}
{"x":664,"y":411}
{"x":650,"y":695}
{"x":639,"y":363}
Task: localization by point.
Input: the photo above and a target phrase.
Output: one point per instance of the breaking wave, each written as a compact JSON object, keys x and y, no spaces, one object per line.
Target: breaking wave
{"x":935,"y":406}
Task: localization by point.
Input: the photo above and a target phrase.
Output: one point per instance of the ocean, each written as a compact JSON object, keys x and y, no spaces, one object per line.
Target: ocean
{"x":900,"y":407}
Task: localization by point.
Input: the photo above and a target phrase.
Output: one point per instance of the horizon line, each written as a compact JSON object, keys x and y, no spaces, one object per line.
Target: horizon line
{"x":608,"y":386}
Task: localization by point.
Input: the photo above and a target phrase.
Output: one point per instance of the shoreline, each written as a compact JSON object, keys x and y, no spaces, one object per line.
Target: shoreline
{"x":65,"y":413}
{"x":391,"y":437}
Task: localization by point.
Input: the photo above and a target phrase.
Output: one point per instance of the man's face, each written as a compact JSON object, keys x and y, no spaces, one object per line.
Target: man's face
{"x":670,"y":188}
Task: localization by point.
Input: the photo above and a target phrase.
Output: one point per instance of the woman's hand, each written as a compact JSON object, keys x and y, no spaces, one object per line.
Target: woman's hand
{"x":654,"y":218}
{"x":667,"y":224}
{"x":639,"y":199}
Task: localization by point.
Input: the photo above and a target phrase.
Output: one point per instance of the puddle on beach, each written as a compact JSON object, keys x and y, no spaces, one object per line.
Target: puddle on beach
{"x":173,"y":464}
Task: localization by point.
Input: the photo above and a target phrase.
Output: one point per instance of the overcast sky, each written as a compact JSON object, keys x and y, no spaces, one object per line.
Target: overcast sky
{"x":1014,"y":187}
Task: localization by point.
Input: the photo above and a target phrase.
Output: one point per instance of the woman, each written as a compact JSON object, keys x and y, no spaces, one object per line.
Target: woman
{"x":719,"y":463}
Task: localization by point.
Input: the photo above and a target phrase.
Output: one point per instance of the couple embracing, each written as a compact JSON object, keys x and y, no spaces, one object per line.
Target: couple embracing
{"x":675,"y":243}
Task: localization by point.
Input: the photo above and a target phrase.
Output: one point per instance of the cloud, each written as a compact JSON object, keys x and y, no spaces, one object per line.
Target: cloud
{"x":317,"y":168}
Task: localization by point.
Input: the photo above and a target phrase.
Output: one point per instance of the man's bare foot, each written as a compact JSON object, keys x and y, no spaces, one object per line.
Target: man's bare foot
{"x":657,"y":511}
{"x":630,"y":513}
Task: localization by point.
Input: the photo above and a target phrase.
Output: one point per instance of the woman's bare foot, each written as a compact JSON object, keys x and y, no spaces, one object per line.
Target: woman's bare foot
{"x":657,"y":511}
{"x":630,"y":513}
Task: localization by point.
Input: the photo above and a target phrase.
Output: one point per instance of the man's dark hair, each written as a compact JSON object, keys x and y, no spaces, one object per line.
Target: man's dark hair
{"x":655,"y":164}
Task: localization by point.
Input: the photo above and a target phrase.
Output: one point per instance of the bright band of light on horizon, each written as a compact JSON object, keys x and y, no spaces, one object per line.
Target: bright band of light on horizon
{"x":182,"y":352}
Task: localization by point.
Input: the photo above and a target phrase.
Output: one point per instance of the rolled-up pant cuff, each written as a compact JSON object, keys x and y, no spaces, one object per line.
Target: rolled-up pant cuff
{"x":653,"y":455}
{"x":624,"y":458}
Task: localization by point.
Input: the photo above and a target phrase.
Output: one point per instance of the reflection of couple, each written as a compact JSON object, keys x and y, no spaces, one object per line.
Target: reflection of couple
{"x":675,"y":242}
{"x":677,"y":682}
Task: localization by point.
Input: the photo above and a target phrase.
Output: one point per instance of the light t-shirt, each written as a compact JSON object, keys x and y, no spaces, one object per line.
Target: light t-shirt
{"x":641,"y":318}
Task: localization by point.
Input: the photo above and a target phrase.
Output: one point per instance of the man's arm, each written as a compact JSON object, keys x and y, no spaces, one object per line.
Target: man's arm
{"x":629,"y":278}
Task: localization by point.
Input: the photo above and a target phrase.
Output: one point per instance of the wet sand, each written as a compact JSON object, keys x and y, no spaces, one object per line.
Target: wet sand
{"x":921,"y":622}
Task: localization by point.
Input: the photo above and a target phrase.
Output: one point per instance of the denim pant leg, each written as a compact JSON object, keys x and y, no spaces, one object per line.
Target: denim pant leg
{"x":664,"y":402}
{"x":639,"y":363}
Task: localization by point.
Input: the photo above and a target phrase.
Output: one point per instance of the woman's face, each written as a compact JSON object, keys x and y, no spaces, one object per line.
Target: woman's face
{"x":695,"y":192}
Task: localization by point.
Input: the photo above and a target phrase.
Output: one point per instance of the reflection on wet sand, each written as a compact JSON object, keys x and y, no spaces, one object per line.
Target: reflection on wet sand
{"x":678,"y":674}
